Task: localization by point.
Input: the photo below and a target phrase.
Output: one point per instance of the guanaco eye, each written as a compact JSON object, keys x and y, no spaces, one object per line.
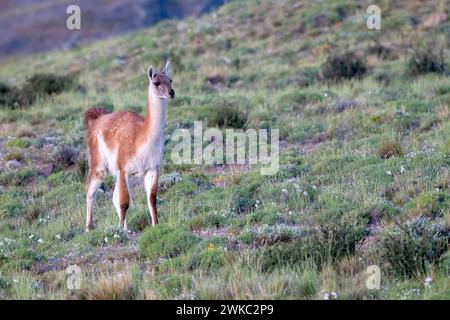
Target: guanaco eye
{"x":156,"y":83}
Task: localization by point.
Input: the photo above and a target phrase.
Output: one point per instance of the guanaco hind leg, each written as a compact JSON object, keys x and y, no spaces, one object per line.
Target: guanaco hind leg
{"x":92,"y":184}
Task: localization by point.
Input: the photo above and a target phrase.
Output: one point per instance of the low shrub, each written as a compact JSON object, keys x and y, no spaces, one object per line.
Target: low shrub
{"x":294,"y":100}
{"x":139,"y":220}
{"x":18,"y":143}
{"x":165,"y":241}
{"x":431,"y":204}
{"x":326,"y":243}
{"x":270,"y":234}
{"x":209,"y":220}
{"x":409,"y":247}
{"x":14,"y":155}
{"x":426,"y":61}
{"x":66,"y":156}
{"x":229,"y":117}
{"x":48,"y":83}
{"x":18,"y":177}
{"x":38,"y":86}
{"x":263,"y":217}
{"x":229,"y":111}
{"x":343,"y":66}
{"x":204,"y":260}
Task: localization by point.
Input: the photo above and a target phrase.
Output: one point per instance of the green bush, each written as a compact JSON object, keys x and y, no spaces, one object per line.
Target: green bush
{"x":10,"y":206}
{"x":431,"y":204}
{"x":325,"y":243}
{"x":263,"y":217}
{"x":208,"y":255}
{"x":343,"y":66}
{"x":47,"y":83}
{"x":229,"y":117}
{"x":38,"y":86}
{"x":20,"y":258}
{"x":18,"y":143}
{"x":209,"y":220}
{"x":165,"y":241}
{"x":4,"y":283}
{"x":426,"y":61}
{"x":229,"y":111}
{"x":139,"y":220}
{"x":410,"y":246}
{"x":444,"y":262}
{"x":17,"y":178}
{"x":294,"y":100}
{"x":270,"y":234}
{"x":280,"y":255}
{"x":204,"y":260}
{"x":243,"y":198}
{"x":4,"y":91}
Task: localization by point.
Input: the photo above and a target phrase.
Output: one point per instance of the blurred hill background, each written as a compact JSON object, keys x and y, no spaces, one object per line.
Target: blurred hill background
{"x":42,"y":23}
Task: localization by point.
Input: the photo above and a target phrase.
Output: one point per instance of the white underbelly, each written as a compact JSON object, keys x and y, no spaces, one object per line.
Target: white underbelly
{"x":109,"y":156}
{"x":147,"y":157}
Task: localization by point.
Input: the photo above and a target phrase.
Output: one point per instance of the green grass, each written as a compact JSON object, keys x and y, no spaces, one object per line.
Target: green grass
{"x":364,"y":161}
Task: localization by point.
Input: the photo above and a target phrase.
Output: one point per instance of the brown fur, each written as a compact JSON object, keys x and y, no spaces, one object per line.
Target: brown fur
{"x":92,"y":114}
{"x":126,"y":129}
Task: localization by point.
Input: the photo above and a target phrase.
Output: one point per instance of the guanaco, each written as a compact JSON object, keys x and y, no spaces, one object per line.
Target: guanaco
{"x":125,"y":144}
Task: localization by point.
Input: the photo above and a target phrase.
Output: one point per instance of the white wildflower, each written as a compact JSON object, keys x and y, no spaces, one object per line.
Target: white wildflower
{"x":389,"y":173}
{"x":427,"y":282}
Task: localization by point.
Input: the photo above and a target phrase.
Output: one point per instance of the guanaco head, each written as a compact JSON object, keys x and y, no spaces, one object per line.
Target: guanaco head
{"x":160,"y":83}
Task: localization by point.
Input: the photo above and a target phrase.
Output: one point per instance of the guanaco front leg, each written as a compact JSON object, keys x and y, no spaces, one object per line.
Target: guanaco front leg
{"x":151,"y":188}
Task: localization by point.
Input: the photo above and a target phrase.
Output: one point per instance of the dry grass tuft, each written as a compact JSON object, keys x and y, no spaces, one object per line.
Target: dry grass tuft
{"x":389,"y":148}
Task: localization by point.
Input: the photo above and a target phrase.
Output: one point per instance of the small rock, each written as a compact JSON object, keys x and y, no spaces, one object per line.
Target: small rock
{"x":13,"y":164}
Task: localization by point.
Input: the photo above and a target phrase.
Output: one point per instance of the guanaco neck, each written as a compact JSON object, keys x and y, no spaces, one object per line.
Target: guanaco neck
{"x":155,"y":120}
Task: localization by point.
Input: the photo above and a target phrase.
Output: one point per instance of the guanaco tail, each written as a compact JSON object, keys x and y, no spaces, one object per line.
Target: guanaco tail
{"x":125,"y":144}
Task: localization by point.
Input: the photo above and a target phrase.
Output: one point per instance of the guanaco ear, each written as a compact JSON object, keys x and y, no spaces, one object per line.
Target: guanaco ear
{"x":150,"y":72}
{"x":166,"y":69}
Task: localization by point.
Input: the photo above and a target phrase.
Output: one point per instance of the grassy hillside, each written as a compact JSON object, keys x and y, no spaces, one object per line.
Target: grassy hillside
{"x":364,"y":174}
